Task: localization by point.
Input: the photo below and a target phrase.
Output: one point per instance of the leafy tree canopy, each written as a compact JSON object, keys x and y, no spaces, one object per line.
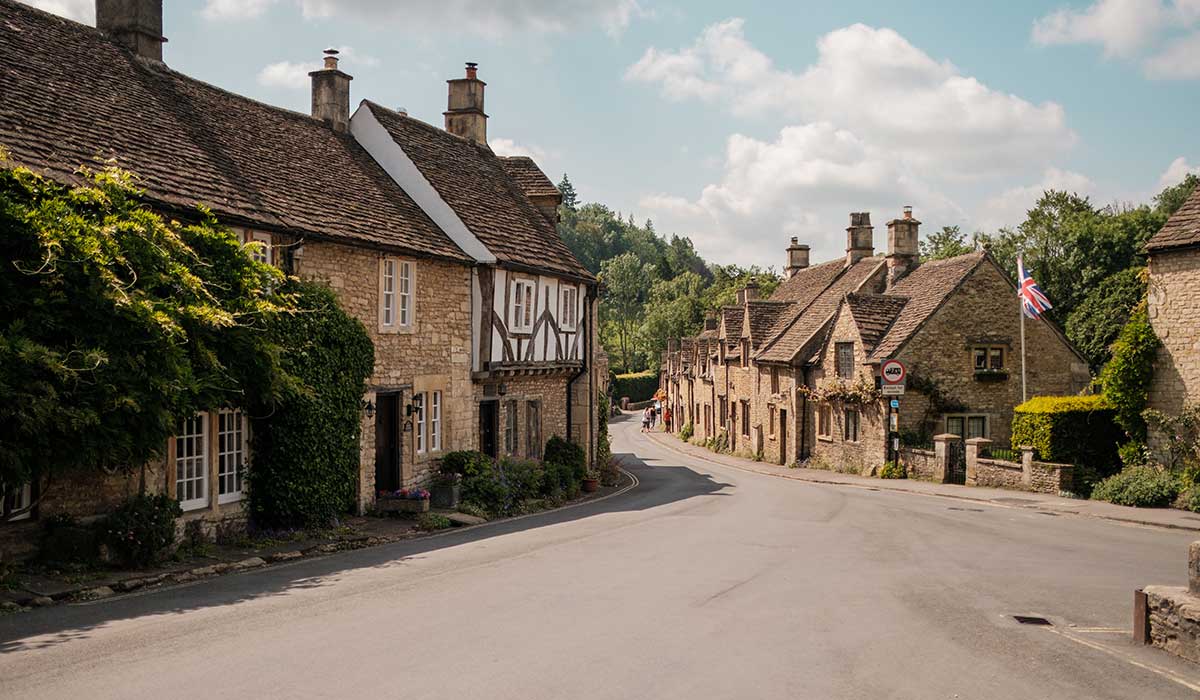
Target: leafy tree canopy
{"x":1095,"y":324}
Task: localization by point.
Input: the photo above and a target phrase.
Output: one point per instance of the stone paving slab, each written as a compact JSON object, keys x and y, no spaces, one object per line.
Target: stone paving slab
{"x":1154,"y":517}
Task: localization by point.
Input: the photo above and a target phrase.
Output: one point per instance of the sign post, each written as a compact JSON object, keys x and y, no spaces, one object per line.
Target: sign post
{"x":892,"y":377}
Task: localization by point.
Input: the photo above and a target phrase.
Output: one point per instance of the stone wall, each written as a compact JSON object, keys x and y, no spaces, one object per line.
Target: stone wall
{"x":996,"y":473}
{"x":433,"y":355}
{"x":1174,"y":620}
{"x":983,"y":311}
{"x":548,"y":391}
{"x":1028,"y":475}
{"x":1174,"y":296}
{"x":867,"y":454}
{"x":922,"y":464}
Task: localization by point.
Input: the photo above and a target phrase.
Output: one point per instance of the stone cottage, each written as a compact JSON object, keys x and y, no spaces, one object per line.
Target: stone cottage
{"x":796,"y":376}
{"x":1172,"y":302}
{"x":402,"y":256}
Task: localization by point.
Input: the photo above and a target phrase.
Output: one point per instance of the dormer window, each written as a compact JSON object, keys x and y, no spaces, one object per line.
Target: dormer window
{"x":521,"y":315}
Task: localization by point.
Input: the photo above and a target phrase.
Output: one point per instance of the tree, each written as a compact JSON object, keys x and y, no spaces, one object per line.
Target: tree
{"x":947,"y":243}
{"x":115,"y":322}
{"x":1170,"y":199}
{"x":1096,"y":323}
{"x":569,"y":199}
{"x":675,"y":309}
{"x":728,"y":279}
{"x":626,"y":282}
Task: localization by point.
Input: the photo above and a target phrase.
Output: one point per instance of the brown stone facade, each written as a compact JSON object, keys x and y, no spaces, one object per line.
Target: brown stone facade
{"x":431,"y":354}
{"x":1174,"y":297}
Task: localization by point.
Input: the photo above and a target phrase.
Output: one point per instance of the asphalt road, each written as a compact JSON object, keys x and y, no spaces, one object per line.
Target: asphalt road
{"x":702,"y":582}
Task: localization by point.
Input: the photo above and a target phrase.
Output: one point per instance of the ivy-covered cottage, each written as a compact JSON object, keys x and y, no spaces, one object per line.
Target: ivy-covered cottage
{"x":1172,"y":302}
{"x":794,"y":378}
{"x":447,"y":254}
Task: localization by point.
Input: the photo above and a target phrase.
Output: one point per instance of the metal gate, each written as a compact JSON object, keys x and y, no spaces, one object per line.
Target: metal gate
{"x":956,"y":462}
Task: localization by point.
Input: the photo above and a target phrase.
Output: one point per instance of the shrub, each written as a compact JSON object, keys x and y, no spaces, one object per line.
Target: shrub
{"x":560,"y":481}
{"x":893,"y":470}
{"x":524,"y":478}
{"x":1126,"y":378}
{"x":560,"y":451}
{"x":1076,"y":430}
{"x":433,"y":521}
{"x":685,"y":433}
{"x":1141,"y":487}
{"x":483,"y":482}
{"x":639,"y":386}
{"x":141,"y":531}
{"x":609,"y":474}
{"x":306,"y":454}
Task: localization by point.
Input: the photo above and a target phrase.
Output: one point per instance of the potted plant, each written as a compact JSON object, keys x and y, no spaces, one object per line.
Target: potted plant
{"x":591,"y":481}
{"x":403,"y":501}
{"x":447,"y":488}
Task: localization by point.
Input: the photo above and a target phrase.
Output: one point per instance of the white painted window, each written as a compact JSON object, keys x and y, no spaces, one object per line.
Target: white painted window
{"x":568,"y":315}
{"x":523,"y":296}
{"x":419,"y":421}
{"x":231,"y":455}
{"x":191,"y":462}
{"x":262,"y":252}
{"x":387,"y":293}
{"x":435,"y":421}
{"x":406,"y":293}
{"x":15,"y":501}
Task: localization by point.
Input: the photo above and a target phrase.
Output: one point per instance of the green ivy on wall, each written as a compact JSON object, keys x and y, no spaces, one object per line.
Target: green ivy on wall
{"x":1126,"y":378}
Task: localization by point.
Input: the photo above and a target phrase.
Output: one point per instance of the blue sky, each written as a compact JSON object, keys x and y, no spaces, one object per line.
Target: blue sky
{"x":742,"y":125}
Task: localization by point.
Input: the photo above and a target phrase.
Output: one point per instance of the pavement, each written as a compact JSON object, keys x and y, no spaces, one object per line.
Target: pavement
{"x":702,"y":581}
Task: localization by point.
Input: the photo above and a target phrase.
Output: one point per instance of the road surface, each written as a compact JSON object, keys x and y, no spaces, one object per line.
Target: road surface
{"x":702,"y":582}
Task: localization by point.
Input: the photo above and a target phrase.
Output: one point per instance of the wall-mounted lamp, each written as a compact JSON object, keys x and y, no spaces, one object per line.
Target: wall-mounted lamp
{"x":409,"y":409}
{"x":369,"y":408}
{"x":502,"y":389}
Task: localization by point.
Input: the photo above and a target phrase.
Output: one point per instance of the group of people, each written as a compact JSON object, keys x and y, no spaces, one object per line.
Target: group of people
{"x":651,"y":415}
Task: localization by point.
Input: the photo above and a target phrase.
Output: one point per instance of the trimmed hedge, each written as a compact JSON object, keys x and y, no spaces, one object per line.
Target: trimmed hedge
{"x":639,"y":386}
{"x":1079,"y":430}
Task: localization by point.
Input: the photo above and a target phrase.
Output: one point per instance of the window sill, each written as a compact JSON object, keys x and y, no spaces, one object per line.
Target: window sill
{"x":230,"y":498}
{"x":991,"y":375}
{"x":825,"y":438}
{"x":396,"y":330}
{"x":190,"y":506}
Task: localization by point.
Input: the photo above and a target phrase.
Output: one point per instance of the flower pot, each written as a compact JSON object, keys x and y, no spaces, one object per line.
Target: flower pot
{"x":590,"y":485}
{"x":396,"y":504}
{"x":446,"y":495}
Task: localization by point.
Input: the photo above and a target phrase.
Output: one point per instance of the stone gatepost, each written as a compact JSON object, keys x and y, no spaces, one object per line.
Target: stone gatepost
{"x":1026,"y":465}
{"x":1194,"y":568}
{"x":941,"y":456}
{"x":974,"y":446}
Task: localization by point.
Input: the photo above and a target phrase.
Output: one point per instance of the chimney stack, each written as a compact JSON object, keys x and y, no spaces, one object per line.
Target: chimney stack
{"x":710,"y":321}
{"x":797,"y":257}
{"x":749,"y":292}
{"x":860,"y":238}
{"x":135,"y":24}
{"x":331,"y":93}
{"x":464,"y":111}
{"x":903,"y":255}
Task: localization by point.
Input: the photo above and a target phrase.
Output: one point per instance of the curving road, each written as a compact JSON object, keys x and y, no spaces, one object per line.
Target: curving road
{"x":702,"y":582}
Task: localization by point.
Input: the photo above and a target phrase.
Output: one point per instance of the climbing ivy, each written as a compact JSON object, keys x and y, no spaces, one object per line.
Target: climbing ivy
{"x":1126,"y":378}
{"x":306,"y":449}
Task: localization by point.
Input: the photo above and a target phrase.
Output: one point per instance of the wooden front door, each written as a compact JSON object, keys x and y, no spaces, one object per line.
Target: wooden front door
{"x":783,"y":436}
{"x":387,"y":441}
{"x":489,"y":424}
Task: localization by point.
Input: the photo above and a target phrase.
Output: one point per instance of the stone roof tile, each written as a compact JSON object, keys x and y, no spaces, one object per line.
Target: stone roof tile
{"x":873,"y":314}
{"x":526,"y":173}
{"x":926,"y":289}
{"x":1182,"y":229}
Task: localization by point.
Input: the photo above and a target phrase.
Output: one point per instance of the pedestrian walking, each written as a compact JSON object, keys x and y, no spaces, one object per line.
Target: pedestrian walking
{"x":667,"y":419}
{"x":655,"y":410}
{"x":649,"y":411}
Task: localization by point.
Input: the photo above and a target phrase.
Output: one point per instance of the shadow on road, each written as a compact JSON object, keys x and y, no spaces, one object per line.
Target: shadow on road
{"x":39,"y":629}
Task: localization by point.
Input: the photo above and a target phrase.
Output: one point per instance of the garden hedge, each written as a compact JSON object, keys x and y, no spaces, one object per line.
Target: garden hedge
{"x":1078,"y":430}
{"x":639,"y":386}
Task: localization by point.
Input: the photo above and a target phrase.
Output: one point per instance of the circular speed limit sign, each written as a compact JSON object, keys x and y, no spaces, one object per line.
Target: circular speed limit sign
{"x":892,"y":372}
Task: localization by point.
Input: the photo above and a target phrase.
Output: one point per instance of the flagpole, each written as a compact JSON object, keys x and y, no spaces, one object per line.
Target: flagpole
{"x":1021,"y":310}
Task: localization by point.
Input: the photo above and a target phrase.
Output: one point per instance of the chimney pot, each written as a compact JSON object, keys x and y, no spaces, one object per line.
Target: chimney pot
{"x":908,"y":211}
{"x":135,"y":24}
{"x":331,"y":59}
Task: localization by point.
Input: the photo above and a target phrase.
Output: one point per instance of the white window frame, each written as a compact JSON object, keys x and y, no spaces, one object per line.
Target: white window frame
{"x":406,"y":292}
{"x":435,"y":421}
{"x":232,"y":434}
{"x":265,"y":253}
{"x":387,"y":292}
{"x":191,"y":464}
{"x":524,"y":300}
{"x":22,"y":499}
{"x":419,"y":421}
{"x":567,"y":315}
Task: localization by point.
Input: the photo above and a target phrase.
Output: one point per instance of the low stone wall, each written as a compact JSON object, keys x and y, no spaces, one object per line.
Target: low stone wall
{"x":1174,"y":620}
{"x":998,"y":473}
{"x":922,"y":464}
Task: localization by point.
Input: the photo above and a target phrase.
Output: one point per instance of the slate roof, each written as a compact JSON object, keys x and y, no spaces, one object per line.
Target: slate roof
{"x":474,"y":182}
{"x":1182,"y":229}
{"x":526,"y":173}
{"x":873,"y":314}
{"x":763,"y":315}
{"x":70,"y":96}
{"x":926,"y":288}
{"x":807,"y":322}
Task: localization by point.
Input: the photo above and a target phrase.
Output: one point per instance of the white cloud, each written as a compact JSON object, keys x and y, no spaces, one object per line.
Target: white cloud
{"x":1176,"y":171}
{"x":79,"y":10}
{"x":508,"y":147}
{"x":874,"y":83}
{"x":1135,"y":30}
{"x":1010,"y":206}
{"x":480,"y":17}
{"x":294,"y":75}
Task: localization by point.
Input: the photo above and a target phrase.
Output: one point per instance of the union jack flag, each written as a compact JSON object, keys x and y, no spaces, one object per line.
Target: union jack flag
{"x":1033,"y":300}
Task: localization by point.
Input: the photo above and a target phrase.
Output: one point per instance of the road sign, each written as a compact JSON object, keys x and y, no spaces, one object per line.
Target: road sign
{"x":895,"y":403}
{"x":892,"y":375}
